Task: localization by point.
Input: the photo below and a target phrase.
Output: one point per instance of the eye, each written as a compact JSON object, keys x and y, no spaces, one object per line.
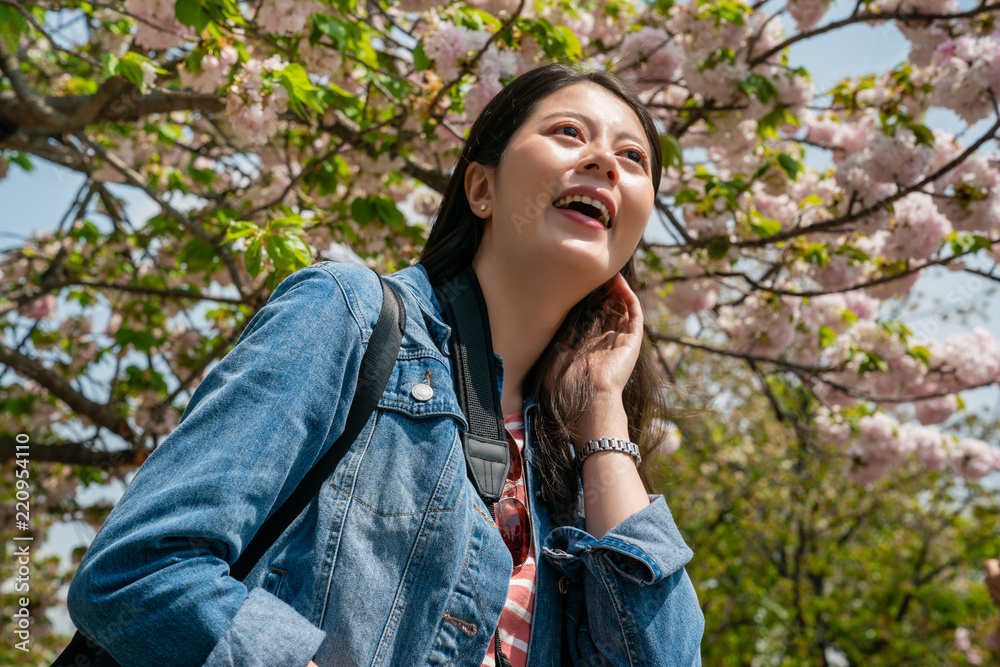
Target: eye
{"x":642,"y":156}
{"x":569,"y":127}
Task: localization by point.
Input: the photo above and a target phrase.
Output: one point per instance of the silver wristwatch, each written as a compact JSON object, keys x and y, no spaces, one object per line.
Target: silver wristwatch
{"x":604,"y":445}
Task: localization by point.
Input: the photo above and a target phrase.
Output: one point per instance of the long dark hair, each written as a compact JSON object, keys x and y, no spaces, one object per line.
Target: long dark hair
{"x":455,"y":236}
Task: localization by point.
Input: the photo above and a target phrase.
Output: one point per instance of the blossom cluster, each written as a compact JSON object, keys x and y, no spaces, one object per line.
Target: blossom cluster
{"x":251,"y":108}
{"x":157,"y":27}
{"x":877,"y":442}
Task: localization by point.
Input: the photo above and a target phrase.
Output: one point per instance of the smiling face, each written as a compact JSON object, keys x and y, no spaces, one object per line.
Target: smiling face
{"x":585,"y":136}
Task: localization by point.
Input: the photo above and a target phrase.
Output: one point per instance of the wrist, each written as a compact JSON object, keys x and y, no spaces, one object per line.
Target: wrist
{"x":606,"y":418}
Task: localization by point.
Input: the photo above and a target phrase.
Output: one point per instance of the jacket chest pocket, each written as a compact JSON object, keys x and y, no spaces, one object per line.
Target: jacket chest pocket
{"x":408,"y":459}
{"x":401,"y":466}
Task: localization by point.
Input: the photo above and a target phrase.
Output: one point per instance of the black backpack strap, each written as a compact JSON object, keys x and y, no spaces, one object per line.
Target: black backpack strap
{"x":487,"y":456}
{"x":486,"y":453}
{"x":376,"y":367}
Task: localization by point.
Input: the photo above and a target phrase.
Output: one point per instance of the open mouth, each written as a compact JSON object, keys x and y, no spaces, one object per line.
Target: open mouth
{"x":589,"y":207}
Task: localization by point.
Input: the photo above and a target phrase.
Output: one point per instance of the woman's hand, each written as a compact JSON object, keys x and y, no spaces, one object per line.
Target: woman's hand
{"x":610,"y":365}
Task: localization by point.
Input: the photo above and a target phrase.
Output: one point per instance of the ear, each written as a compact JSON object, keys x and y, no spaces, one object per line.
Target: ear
{"x":479,"y":188}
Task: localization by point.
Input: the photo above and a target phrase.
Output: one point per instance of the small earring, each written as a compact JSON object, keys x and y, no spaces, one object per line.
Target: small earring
{"x":482,"y":207}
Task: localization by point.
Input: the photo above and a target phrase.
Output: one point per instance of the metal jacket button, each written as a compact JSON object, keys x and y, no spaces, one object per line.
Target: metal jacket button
{"x":423,"y":391}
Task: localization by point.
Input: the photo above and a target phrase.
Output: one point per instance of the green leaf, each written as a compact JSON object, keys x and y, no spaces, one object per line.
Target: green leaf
{"x":141,"y":340}
{"x":21,"y":160}
{"x":856,"y":254}
{"x":767,"y":127}
{"x":420,"y":60}
{"x":325,"y":176}
{"x":827,"y":336}
{"x":872,"y":362}
{"x":718,"y":248}
{"x":386,"y":210}
{"x":757,"y":86}
{"x":920,"y":353}
{"x":923,"y":134}
{"x":252,"y":257}
{"x":811,"y":200}
{"x":12,"y":26}
{"x":197,"y":255}
{"x":362,"y":210}
{"x":763,"y":227}
{"x":110,"y":64}
{"x":476,"y":19}
{"x":288,"y":251}
{"x":571,"y":44}
{"x":348,"y":36}
{"x":673,"y":156}
{"x":791,"y":166}
{"x":686,"y":196}
{"x":981,"y":242}
{"x":816,"y":253}
{"x":240,"y":229}
{"x":190,"y":12}
{"x":301,"y":91}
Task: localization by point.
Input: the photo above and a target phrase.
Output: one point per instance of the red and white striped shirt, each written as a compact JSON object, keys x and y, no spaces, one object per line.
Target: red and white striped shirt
{"x":515,"y":621}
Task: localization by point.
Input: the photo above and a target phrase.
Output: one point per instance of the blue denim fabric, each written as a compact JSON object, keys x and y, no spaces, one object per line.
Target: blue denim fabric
{"x":395,"y":545}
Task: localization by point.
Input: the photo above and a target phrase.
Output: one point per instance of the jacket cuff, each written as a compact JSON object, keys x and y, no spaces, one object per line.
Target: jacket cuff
{"x":265,"y":632}
{"x":644,"y":548}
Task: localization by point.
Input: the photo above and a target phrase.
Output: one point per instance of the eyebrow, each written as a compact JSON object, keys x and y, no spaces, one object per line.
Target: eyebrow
{"x":585,"y":119}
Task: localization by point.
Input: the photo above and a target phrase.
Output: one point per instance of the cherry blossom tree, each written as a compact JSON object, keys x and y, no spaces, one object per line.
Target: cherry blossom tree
{"x":274,"y":133}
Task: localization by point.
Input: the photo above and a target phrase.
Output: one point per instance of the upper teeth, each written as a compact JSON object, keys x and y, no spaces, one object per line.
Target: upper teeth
{"x":605,"y":216}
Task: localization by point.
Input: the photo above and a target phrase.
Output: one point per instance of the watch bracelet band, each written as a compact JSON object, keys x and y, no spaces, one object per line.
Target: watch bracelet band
{"x":607,"y":445}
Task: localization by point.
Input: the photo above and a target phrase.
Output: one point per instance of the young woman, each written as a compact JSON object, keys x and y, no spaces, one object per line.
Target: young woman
{"x":396,"y":561}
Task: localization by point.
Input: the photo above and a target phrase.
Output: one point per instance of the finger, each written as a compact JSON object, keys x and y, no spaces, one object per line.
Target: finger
{"x":632,"y":305}
{"x":993,"y":567}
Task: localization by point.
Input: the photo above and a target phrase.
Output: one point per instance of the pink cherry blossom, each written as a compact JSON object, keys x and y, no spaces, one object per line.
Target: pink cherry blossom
{"x":759,"y":326}
{"x":932,"y":448}
{"x":842,"y":270}
{"x":286,"y":16}
{"x":920,"y":228}
{"x":832,"y":427}
{"x":936,"y":410}
{"x":807,"y":13}
{"x":158,"y":28}
{"x":448,"y":43}
{"x":661,"y":54}
{"x":975,"y":459}
{"x":879,"y":436}
{"x":214,"y":71}
{"x":864,"y":471}
{"x":684,"y":297}
{"x":40,"y":308}
{"x":862,"y":305}
{"x":966,"y":360}
{"x":898,"y":158}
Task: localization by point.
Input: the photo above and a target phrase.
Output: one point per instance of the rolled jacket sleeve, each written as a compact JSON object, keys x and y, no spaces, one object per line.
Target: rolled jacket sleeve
{"x":154,"y":587}
{"x":630,"y":601}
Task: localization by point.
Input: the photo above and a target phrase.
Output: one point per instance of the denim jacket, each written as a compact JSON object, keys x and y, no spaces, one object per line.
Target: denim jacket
{"x":396,"y":561}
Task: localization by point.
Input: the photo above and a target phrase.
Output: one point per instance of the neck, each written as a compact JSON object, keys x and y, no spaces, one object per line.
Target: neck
{"x":523,"y":319}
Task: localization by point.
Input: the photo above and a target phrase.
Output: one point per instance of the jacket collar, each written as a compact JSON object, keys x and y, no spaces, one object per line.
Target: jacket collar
{"x":415,"y":279}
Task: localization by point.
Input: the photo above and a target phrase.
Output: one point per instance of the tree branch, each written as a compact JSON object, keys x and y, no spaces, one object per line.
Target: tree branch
{"x":38,"y":106}
{"x":101,"y":414}
{"x":78,"y":453}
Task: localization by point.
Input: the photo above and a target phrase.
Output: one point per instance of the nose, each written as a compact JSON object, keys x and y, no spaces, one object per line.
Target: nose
{"x":603,"y":160}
